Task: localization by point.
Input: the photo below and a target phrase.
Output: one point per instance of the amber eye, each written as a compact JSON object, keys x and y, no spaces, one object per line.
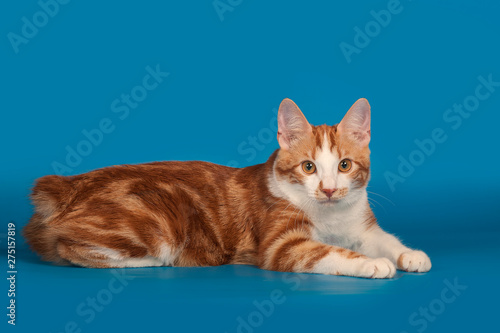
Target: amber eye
{"x":345,"y":165}
{"x":308,"y":167}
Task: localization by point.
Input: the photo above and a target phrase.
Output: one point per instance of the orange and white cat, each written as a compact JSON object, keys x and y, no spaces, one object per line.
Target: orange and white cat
{"x":304,"y":210}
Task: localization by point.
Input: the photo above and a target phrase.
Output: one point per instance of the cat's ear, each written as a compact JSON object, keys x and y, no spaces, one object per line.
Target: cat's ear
{"x":355,"y":125}
{"x":292,"y":125}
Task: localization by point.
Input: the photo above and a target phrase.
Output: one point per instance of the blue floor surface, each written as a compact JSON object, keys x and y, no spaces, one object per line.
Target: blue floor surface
{"x":459,"y":294}
{"x":432,"y":66}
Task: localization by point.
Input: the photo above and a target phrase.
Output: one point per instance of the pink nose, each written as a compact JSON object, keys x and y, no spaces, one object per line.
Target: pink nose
{"x":329,"y":191}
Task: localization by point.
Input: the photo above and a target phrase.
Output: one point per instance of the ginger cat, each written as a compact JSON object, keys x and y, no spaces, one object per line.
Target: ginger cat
{"x":304,"y":210}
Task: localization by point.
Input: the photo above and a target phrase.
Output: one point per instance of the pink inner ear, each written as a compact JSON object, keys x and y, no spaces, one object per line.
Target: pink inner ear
{"x":283,"y":139}
{"x":356,"y":123}
{"x":360,"y":136}
{"x":292,"y":125}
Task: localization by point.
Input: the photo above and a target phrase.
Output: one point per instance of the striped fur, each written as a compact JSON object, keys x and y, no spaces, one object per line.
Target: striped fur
{"x":273,"y":215}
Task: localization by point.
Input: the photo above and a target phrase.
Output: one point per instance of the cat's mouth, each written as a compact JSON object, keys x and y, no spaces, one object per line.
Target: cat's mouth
{"x":329,"y":201}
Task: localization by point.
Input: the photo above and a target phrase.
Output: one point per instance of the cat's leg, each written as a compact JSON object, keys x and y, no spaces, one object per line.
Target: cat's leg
{"x":86,"y":255}
{"x":81,"y":255}
{"x":295,"y":251}
{"x":376,"y":243}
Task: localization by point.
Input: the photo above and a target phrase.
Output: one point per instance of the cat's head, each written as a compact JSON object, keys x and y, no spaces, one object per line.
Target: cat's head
{"x":327,"y":165}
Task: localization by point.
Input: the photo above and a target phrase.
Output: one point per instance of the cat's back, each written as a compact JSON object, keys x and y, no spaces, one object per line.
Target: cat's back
{"x":193,"y":174}
{"x":131,"y":186}
{"x":181,"y":171}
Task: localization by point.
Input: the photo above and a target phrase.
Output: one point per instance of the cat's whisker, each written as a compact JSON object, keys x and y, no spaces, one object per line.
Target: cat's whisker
{"x":284,"y":209}
{"x":309,"y":203}
{"x":301,"y":209}
{"x":288,"y":222}
{"x":277,"y":201}
{"x":372,"y":203}
{"x":375,"y":201}
{"x":306,"y":206}
{"x":381,"y":197}
{"x":296,"y":215}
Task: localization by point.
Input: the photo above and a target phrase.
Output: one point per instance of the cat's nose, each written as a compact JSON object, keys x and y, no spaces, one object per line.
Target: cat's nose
{"x":329,"y":191}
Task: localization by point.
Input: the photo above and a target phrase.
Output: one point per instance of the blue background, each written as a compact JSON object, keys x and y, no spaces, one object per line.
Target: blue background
{"x":228,"y":75}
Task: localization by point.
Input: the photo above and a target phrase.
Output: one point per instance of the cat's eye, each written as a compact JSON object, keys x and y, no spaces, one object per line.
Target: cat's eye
{"x":345,"y":165}
{"x":308,"y":167}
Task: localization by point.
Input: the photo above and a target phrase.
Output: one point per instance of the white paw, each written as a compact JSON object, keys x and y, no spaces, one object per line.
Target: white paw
{"x":379,"y":268}
{"x":414,"y":261}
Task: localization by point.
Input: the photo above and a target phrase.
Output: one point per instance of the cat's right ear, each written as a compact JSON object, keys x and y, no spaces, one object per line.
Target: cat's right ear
{"x":292,"y":125}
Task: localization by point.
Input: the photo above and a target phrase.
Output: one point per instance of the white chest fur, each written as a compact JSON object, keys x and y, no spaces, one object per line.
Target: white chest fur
{"x":341,"y":226}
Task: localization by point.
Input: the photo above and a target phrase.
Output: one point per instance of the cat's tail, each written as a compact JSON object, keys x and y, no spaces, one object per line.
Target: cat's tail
{"x":50,"y":195}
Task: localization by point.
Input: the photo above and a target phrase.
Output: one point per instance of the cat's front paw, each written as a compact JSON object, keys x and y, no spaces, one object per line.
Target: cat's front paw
{"x":379,"y":268}
{"x":414,"y":261}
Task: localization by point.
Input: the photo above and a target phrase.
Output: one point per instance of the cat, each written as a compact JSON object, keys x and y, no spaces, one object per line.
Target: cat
{"x":304,"y":210}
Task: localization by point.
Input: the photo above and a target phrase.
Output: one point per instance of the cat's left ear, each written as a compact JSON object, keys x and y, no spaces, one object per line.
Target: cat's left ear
{"x":355,"y":125}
